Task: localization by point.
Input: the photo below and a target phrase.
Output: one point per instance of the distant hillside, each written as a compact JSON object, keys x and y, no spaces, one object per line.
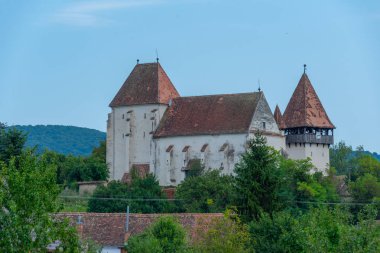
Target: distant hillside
{"x":63,"y":139}
{"x":374,"y":154}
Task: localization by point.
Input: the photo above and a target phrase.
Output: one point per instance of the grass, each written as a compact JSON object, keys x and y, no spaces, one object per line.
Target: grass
{"x":72,"y":204}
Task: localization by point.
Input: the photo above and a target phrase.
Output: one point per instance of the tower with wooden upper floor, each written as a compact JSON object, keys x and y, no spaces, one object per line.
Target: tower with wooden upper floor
{"x":308,"y":130}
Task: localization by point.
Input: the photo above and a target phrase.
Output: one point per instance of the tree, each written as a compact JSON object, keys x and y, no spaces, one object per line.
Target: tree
{"x":340,"y":158}
{"x":28,"y":197}
{"x":226,"y":235}
{"x":258,"y":180}
{"x":165,"y":235}
{"x":72,"y":169}
{"x":206,"y":193}
{"x":365,"y":188}
{"x":12,"y":142}
{"x":321,"y":229}
{"x":116,"y":196}
{"x":100,"y":152}
{"x":366,"y":164}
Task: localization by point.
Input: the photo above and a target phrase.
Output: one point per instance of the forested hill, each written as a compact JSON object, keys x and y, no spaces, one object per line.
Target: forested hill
{"x":63,"y":139}
{"x":374,"y":154}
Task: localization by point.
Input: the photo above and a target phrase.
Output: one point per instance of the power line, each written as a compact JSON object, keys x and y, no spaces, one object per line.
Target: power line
{"x":152,"y":200}
{"x":121,"y":199}
{"x":333,"y":203}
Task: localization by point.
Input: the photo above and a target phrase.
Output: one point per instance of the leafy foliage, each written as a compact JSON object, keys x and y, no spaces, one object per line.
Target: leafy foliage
{"x":227,"y":235}
{"x":12,"y":142}
{"x":266,"y":182}
{"x":139,"y":189}
{"x":165,"y":235}
{"x":258,"y":180}
{"x":365,"y":189}
{"x":28,"y":196}
{"x":319,"y":230}
{"x":209,"y":192}
{"x":77,"y":141}
{"x":71,"y":169}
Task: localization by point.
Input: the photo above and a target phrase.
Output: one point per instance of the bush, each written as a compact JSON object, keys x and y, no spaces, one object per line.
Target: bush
{"x":207,"y":193}
{"x":226,"y":235}
{"x":166,"y":235}
{"x":116,"y":196}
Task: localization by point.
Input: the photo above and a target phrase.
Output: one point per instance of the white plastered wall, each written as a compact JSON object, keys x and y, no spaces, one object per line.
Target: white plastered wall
{"x":129,"y":134}
{"x":319,"y":154}
{"x":213,"y":158}
{"x":271,"y":132}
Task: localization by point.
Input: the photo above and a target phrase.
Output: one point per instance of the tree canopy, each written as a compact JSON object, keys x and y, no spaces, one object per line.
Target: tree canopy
{"x":165,"y":236}
{"x":206,"y":192}
{"x":28,"y":197}
{"x":143,"y":195}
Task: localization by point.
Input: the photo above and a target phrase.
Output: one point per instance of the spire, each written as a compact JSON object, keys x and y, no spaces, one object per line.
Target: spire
{"x":304,"y":108}
{"x":278,"y":118}
{"x":146,"y":84}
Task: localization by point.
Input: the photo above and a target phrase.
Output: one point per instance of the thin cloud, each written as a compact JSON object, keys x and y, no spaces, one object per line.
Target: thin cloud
{"x":89,"y":13}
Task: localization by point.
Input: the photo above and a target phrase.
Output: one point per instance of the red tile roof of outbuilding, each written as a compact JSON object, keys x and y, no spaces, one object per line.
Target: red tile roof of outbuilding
{"x":108,"y":229}
{"x":305,"y":109}
{"x":214,"y":114}
{"x":147,"y":84}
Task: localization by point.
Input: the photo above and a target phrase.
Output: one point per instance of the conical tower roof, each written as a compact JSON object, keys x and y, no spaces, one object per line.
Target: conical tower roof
{"x":278,"y":118}
{"x":305,"y":109}
{"x":147,"y":84}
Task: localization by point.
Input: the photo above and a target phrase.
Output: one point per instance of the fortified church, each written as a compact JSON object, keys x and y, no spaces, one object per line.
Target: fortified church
{"x":153,"y":129}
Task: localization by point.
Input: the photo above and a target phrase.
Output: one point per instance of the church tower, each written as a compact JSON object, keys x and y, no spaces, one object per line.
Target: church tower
{"x":137,"y":110}
{"x":308,"y":130}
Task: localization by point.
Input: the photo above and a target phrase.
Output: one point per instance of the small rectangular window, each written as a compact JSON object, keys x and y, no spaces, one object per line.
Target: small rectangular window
{"x":264,"y":125}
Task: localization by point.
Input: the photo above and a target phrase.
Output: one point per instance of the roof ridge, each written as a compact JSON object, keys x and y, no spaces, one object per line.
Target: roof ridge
{"x":214,"y":95}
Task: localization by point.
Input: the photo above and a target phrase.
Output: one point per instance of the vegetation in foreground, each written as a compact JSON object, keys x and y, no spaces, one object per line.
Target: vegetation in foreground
{"x":280,"y":206}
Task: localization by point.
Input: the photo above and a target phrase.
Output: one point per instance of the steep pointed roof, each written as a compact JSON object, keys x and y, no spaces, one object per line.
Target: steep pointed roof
{"x":147,"y":84}
{"x":305,"y":109}
{"x":278,"y":118}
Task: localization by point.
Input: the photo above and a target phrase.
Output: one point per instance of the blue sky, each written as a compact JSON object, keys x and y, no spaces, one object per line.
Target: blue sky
{"x":61,"y":62}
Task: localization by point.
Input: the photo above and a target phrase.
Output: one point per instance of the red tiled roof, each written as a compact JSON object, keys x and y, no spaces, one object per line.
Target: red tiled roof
{"x":278,"y":118}
{"x":108,"y":229}
{"x":147,"y":84}
{"x":305,"y":109}
{"x":214,"y":114}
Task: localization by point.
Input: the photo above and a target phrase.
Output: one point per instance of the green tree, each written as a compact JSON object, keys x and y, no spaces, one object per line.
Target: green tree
{"x":341,"y":158}
{"x":12,"y":142}
{"x":258,"y":180}
{"x":28,"y":197}
{"x":226,"y":235}
{"x":72,"y":169}
{"x":366,"y":164}
{"x":321,"y":229}
{"x":206,"y":193}
{"x":365,"y":189}
{"x":100,"y":151}
{"x":165,"y":235}
{"x":112,"y":198}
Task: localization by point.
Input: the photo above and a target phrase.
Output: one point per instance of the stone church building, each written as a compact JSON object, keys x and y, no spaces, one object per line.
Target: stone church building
{"x":153,"y":129}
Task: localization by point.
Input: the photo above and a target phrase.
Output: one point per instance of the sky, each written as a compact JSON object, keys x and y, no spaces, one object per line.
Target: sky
{"x":62,"y":62}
